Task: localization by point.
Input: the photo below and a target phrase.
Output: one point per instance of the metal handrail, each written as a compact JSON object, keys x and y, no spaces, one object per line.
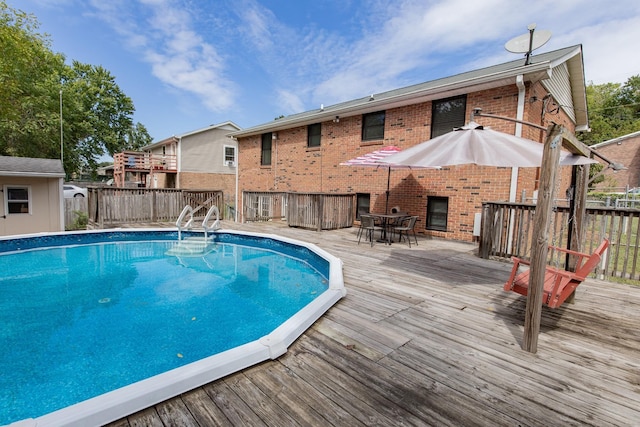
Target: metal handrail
{"x":186,"y":210}
{"x":216,"y":224}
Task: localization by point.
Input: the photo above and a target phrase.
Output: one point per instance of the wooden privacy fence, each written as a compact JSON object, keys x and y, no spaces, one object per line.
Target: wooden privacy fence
{"x":113,"y":206}
{"x":320,"y":211}
{"x":308,"y":210}
{"x":73,"y":207}
{"x":507,"y":230}
{"x":263,"y":205}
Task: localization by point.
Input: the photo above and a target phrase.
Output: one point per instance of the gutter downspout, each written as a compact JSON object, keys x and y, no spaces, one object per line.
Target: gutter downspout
{"x":513,"y":188}
{"x":519,"y":116}
{"x":178,"y":160}
{"x":237,"y":169}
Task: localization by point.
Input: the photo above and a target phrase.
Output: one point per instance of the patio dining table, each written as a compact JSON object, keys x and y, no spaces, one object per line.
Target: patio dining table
{"x":386,"y":224}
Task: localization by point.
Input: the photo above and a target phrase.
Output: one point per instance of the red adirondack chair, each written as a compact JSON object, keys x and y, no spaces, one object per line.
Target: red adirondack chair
{"x":558,"y":283}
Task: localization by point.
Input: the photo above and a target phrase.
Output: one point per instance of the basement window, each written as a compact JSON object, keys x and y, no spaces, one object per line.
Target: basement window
{"x":437,"y":212}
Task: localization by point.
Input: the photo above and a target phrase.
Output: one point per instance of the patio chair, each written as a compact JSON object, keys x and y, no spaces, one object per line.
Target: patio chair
{"x":368,"y":225}
{"x":559,"y":284}
{"x":407,"y":227}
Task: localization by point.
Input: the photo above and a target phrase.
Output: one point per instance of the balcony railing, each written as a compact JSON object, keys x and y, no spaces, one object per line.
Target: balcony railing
{"x":134,"y":160}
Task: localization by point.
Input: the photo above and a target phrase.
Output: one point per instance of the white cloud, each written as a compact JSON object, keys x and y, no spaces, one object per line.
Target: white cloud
{"x":289,"y":102}
{"x":384,"y":46}
{"x":177,"y":54}
{"x":609,"y":50}
{"x":420,"y":35}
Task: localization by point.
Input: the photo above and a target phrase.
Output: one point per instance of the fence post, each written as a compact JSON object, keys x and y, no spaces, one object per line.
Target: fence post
{"x":154,"y":208}
{"x":483,"y":252}
{"x":99,"y":208}
{"x":320,"y":211}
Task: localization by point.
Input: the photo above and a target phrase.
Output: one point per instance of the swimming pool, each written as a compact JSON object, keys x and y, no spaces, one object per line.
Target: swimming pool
{"x":127,"y":286}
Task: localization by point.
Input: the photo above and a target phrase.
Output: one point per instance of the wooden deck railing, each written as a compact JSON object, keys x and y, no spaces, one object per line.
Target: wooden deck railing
{"x":507,"y":230}
{"x":135,"y":160}
{"x":113,"y":206}
{"x":320,"y":211}
{"x":317,"y":211}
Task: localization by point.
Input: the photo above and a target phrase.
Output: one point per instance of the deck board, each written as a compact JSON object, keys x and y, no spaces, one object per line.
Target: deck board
{"x":427,"y":336}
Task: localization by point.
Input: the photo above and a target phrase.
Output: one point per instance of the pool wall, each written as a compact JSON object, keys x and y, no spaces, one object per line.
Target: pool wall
{"x":124,"y":401}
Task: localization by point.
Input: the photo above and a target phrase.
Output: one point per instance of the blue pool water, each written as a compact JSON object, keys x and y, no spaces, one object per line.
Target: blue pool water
{"x":80,"y":320}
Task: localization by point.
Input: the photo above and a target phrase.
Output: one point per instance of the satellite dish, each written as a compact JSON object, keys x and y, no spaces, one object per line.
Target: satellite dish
{"x":527,"y":43}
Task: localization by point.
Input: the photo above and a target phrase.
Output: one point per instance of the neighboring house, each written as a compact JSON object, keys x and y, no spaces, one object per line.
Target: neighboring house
{"x":626,"y":151}
{"x":302,"y":152}
{"x":32,"y":199}
{"x":202,"y":159}
{"x":105,"y":173}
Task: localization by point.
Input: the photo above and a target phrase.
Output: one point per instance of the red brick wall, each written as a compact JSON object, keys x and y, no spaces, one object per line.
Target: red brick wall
{"x":627,"y":152}
{"x":298,"y":168}
{"x":210,"y":181}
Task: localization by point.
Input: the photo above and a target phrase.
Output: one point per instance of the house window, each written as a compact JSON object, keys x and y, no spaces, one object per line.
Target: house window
{"x":267,"y":140}
{"x":448,"y":114}
{"x":437,"y":211}
{"x":373,"y":126}
{"x":313,"y":135}
{"x":363,"y":204}
{"x":229,"y":155}
{"x":18,"y":200}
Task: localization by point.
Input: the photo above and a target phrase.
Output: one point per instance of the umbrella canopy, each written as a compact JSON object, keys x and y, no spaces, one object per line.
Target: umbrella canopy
{"x":375,"y":159}
{"x":473,"y":144}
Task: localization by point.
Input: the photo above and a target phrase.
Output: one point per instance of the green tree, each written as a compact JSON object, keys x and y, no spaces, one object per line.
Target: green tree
{"x":36,"y":86}
{"x":614,"y":110}
{"x":137,"y":137}
{"x":29,"y":79}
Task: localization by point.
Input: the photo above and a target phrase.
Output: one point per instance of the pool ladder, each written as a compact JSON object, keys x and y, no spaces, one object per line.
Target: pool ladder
{"x":188,"y":211}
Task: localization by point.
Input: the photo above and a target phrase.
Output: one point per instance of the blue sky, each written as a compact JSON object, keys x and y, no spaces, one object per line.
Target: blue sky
{"x":188,"y":64}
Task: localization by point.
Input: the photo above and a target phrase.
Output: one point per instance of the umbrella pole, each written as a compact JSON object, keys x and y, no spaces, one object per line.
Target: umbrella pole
{"x":386,"y":203}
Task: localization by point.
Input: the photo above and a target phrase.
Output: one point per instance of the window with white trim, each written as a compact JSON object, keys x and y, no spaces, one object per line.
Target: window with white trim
{"x":229,"y":155}
{"x":17,"y":199}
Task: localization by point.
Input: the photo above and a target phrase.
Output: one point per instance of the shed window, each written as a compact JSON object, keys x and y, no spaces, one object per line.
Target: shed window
{"x":18,"y":200}
{"x":373,"y":126}
{"x":313,"y":135}
{"x":267,"y":140}
{"x":448,"y":114}
{"x":437,"y":212}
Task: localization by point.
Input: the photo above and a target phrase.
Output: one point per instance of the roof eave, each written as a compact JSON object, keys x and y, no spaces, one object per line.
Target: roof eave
{"x":33,"y":174}
{"x":165,"y":141}
{"x":532,"y":72}
{"x":575,"y":66}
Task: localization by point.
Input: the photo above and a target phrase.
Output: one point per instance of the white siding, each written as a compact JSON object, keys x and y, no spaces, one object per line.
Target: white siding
{"x":204,"y":152}
{"x":560,"y":86}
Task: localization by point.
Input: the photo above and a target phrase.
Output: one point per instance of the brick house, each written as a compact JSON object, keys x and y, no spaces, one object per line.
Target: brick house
{"x":625,"y":150}
{"x":197,"y":160}
{"x":302,"y":152}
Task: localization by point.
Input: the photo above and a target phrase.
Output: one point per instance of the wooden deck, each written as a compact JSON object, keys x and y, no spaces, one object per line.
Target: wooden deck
{"x":427,"y":336}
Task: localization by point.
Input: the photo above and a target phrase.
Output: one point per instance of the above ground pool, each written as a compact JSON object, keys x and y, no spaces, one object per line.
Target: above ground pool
{"x":98,"y":325}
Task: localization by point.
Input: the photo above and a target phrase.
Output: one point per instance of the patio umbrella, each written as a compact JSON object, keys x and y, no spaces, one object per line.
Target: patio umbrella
{"x":474,"y":144}
{"x":375,"y":159}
